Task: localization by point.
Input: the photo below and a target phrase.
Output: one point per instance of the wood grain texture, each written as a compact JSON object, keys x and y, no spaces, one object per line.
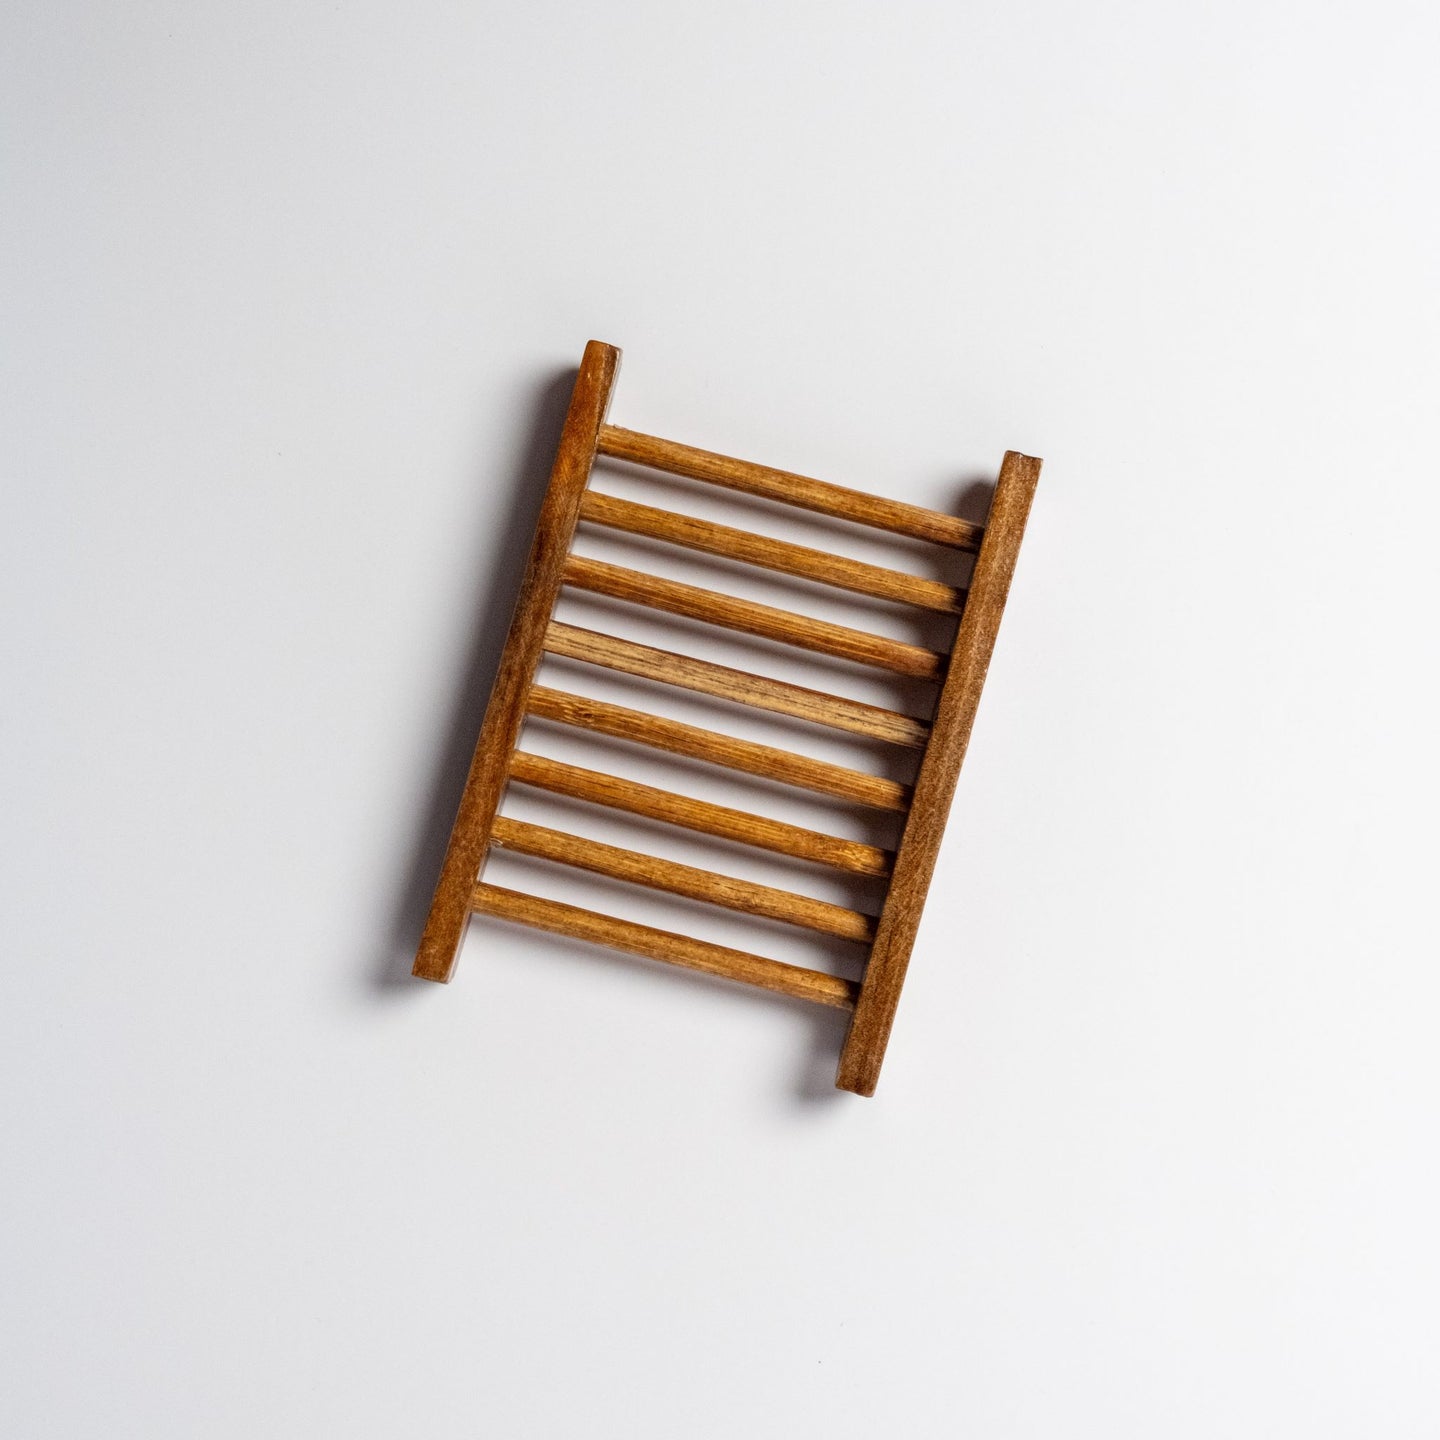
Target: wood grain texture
{"x":580,"y":924}
{"x":720,"y":820}
{"x":877,"y":581}
{"x":706,"y":678}
{"x":731,"y":613}
{"x":818,"y":495}
{"x":899,"y":920}
{"x":449,"y":910}
{"x":716,"y":749}
{"x":694,"y":884}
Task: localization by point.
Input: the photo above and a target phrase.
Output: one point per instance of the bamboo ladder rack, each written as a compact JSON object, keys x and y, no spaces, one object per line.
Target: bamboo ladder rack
{"x":941,"y":740}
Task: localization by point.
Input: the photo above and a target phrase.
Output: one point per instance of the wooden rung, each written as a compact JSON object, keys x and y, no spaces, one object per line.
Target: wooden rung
{"x":744,"y":545}
{"x":706,"y":678}
{"x":572,"y":920}
{"x":695,"y":743}
{"x":739,"y":825}
{"x":677,"y":598}
{"x":676,"y":879}
{"x":818,"y":495}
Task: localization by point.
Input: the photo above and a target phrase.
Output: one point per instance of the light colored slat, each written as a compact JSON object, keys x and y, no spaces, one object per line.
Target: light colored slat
{"x":698,"y":744}
{"x":677,"y":879}
{"x":450,"y":908}
{"x":818,"y":495}
{"x":701,"y":815}
{"x":691,"y":601}
{"x":705,"y":678}
{"x":935,"y":786}
{"x":855,"y":575}
{"x":572,"y":920}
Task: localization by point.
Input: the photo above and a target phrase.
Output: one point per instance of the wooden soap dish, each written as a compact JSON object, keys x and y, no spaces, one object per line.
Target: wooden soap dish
{"x":941,"y":740}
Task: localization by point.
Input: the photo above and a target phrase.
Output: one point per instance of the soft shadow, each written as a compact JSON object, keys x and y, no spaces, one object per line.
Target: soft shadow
{"x":972,"y":500}
{"x":825,"y":1027}
{"x":502,"y":559}
{"x":815,"y":1084}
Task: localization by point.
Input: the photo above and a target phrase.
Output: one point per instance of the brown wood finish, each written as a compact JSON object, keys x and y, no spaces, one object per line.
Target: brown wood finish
{"x":797,"y":490}
{"x":621,"y":583}
{"x":554,"y":530}
{"x":890,"y":936}
{"x":579,"y":783}
{"x":760,"y":550}
{"x":864,"y":1049}
{"x":580,"y":924}
{"x":706,"y":678}
{"x":676,"y":879}
{"x":717,"y":749}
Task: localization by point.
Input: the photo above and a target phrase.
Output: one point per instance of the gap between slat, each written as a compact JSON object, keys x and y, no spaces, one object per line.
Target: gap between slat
{"x":543,"y":843}
{"x":693,"y":742}
{"x":582,"y":924}
{"x":819,"y":495}
{"x":752,"y":618}
{"x":711,"y":538}
{"x":739,"y":825}
{"x":706,"y":678}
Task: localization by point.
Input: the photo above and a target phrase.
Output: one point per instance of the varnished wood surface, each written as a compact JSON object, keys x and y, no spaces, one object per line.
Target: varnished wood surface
{"x":818,"y":495}
{"x":449,"y":910}
{"x":939,"y":770}
{"x":622,"y":583}
{"x":708,"y":745}
{"x":580,"y":924}
{"x":668,"y":875}
{"x":706,"y":678}
{"x":739,"y":825}
{"x":889,"y":936}
{"x":877,"y":581}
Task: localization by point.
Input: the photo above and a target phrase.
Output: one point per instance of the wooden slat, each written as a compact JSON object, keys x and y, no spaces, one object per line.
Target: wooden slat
{"x":695,"y":743}
{"x":621,"y":583}
{"x":721,"y":820}
{"x":571,"y":920}
{"x":935,"y":786}
{"x":554,"y":530}
{"x":706,"y":678}
{"x":686,"y":530}
{"x":818,"y":495}
{"x":676,"y":879}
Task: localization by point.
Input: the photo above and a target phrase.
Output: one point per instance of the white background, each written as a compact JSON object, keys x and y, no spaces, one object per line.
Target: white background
{"x":291,"y":296}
